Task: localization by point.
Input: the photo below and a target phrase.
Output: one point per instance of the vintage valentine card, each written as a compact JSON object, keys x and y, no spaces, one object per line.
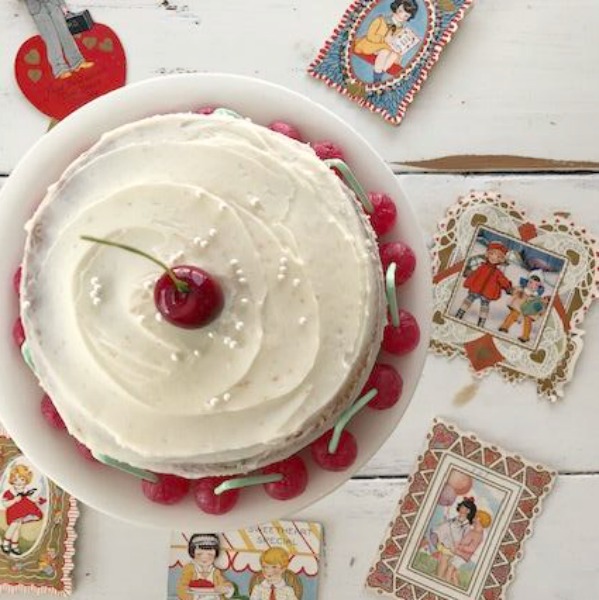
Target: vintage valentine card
{"x":383,"y":50}
{"x":460,"y":528}
{"x":511,"y":295}
{"x":37,"y":527}
{"x":275,"y":561}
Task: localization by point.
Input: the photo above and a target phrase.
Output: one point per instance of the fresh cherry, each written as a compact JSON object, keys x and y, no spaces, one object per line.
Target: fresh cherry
{"x":51,"y":414}
{"x":205,"y":110}
{"x":185,"y":296}
{"x":208,"y":501}
{"x":403,"y":338}
{"x":16,"y":281}
{"x":385,"y":213}
{"x":169,"y":489}
{"x":18,"y":332}
{"x":342,"y":458}
{"x":328,"y":150}
{"x":402,"y":256}
{"x":294,"y":482}
{"x":286,"y":129}
{"x":388,"y":383}
{"x":197,"y":306}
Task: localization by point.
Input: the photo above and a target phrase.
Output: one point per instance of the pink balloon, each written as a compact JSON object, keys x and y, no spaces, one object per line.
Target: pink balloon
{"x":460,"y":482}
{"x":448,"y":496}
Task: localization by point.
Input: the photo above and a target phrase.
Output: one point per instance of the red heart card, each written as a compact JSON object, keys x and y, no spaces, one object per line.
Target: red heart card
{"x":57,"y":97}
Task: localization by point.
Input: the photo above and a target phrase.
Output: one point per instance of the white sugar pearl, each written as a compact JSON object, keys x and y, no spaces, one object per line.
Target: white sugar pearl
{"x":239,"y":325}
{"x":94,"y":280}
{"x":242,"y":280}
{"x":212,"y":402}
{"x":175,"y":357}
{"x":302,"y":320}
{"x":281,"y":276}
{"x":212,"y":232}
{"x":141,"y":319}
{"x":283,"y":260}
{"x":204,"y":244}
{"x":211,"y":335}
{"x":196,"y":353}
{"x":158,"y":317}
{"x":254,"y":201}
{"x":233,"y":262}
{"x":96,"y":301}
{"x":233,"y":344}
{"x":197,"y":241}
{"x":244,"y":301}
{"x":239,"y":272}
{"x":226,"y":341}
{"x":296,"y":282}
{"x":226,"y":396}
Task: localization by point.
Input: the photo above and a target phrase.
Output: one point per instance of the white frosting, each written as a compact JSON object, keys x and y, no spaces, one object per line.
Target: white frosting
{"x":303,"y":308}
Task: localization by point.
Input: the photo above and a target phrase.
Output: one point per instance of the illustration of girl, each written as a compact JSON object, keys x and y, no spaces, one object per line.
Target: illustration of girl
{"x":63,"y":53}
{"x":468,"y":545}
{"x":485,"y":281}
{"x":527,"y":305}
{"x":447,"y":536}
{"x":20,"y":508}
{"x":275,"y":582}
{"x":382,"y":38}
{"x":200,"y":579}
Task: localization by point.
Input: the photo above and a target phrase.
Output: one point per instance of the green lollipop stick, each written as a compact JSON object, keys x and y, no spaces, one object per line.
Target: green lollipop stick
{"x":243,"y":482}
{"x":352,"y":181}
{"x":121,"y":466}
{"x":391,"y":295}
{"x":347,"y":416}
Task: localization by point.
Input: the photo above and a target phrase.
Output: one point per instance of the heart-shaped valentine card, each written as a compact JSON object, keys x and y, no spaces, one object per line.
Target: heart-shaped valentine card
{"x":59,"y":79}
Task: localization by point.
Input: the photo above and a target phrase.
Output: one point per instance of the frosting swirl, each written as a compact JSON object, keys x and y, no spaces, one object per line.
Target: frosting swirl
{"x":285,"y":238}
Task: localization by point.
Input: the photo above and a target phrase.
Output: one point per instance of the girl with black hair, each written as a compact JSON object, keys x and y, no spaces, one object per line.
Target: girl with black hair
{"x":200,"y":575}
{"x":450,"y":532}
{"x":382,"y":33}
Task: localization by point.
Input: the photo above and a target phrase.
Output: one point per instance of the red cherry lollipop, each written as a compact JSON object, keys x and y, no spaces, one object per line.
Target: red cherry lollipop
{"x":401,"y":334}
{"x":384,"y":215}
{"x":18,"y":333}
{"x":186,"y":296}
{"x":207,"y":500}
{"x":402,"y":256}
{"x":344,"y":456}
{"x":282,"y":480}
{"x":294,"y":478}
{"x":389,"y":384}
{"x":16,"y":281}
{"x":50,"y":413}
{"x":166,"y":489}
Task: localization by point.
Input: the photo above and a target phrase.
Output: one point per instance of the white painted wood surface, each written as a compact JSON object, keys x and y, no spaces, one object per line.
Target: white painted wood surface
{"x":116,"y":561}
{"x":519,"y":78}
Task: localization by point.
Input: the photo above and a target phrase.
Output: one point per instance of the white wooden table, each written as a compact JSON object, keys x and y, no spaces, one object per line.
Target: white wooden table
{"x":515,"y":91}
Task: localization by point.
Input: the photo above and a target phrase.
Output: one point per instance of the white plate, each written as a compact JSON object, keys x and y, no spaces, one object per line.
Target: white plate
{"x":53,"y":452}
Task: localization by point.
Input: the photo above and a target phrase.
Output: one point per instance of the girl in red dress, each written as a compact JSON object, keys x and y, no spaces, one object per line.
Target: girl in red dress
{"x":19,"y":507}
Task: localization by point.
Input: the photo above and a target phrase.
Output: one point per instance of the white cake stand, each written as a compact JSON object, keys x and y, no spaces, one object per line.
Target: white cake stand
{"x":107,"y":489}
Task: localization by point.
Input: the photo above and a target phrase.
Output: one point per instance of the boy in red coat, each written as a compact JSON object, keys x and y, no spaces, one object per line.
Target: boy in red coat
{"x":485,"y":281}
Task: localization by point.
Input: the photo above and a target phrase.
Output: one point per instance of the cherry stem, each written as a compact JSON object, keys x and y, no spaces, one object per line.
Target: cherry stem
{"x":121,"y":466}
{"x":347,"y":416}
{"x":179,"y":284}
{"x":352,"y":181}
{"x":242,"y":482}
{"x":391,"y":295}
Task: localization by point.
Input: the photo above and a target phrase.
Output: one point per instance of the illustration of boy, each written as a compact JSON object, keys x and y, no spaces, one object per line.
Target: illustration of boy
{"x":468,"y":545}
{"x":485,"y":281}
{"x":527,"y":305}
{"x":275,"y":582}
